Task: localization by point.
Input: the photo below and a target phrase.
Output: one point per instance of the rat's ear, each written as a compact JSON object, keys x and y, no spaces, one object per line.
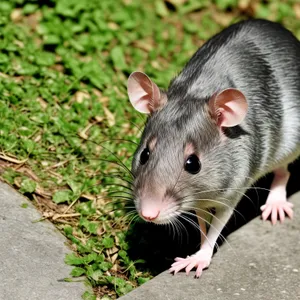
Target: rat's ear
{"x":144,"y":94}
{"x":229,"y":107}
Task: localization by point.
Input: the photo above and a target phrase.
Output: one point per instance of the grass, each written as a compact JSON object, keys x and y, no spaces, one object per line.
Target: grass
{"x":67,"y":130}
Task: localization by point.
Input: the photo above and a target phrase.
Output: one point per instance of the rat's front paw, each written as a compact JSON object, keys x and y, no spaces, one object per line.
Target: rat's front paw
{"x":277,"y":209}
{"x":199,"y":260}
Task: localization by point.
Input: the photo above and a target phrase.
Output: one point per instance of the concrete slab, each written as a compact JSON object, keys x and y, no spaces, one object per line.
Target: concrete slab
{"x":260,"y":262}
{"x":31,"y":254}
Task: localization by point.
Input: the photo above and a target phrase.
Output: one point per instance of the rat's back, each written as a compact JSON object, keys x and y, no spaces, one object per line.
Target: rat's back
{"x":262,"y":59}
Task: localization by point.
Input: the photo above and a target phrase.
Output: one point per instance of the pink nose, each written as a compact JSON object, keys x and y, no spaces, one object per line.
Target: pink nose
{"x":150,"y":215}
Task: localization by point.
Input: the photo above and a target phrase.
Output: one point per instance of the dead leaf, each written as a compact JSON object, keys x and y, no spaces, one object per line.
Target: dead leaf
{"x":88,"y":197}
{"x":110,"y":117}
{"x":3,"y":75}
{"x":176,"y":2}
{"x":83,"y":133}
{"x":11,"y":159}
{"x":16,"y":15}
{"x":113,"y":25}
{"x":29,"y":173}
{"x":112,"y":251}
{"x":37,"y":138}
{"x":61,"y":163}
{"x":104,"y":99}
{"x":97,"y":93}
{"x":297,"y":10}
{"x":42,"y":102}
{"x":98,"y":119}
{"x":57,"y":216}
{"x":146,"y":45}
{"x":244,"y":4}
{"x":80,"y":96}
{"x":40,"y":191}
{"x":114,"y":258}
{"x":33,"y":20}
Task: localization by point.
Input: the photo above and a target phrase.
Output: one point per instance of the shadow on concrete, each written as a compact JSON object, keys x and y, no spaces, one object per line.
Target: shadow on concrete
{"x":159,"y":245}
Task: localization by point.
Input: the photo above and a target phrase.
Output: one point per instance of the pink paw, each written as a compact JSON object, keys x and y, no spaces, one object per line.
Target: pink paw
{"x":275,"y":209}
{"x":200,"y":261}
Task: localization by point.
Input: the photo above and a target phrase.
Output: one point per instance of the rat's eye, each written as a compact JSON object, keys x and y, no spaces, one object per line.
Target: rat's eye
{"x":144,"y":156}
{"x":192,"y":164}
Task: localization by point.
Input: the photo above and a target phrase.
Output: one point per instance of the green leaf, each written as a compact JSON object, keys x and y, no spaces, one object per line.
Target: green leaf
{"x":224,"y":4}
{"x":88,"y":225}
{"x":105,"y":266}
{"x":77,"y":271}
{"x":117,"y":56}
{"x":95,"y":275}
{"x":72,"y":259}
{"x":24,"y":205}
{"x":116,"y":281}
{"x":124,"y":289}
{"x":106,"y":297}
{"x":100,"y":258}
{"x":52,"y":39}
{"x":142,"y":280}
{"x":108,"y":242}
{"x":86,"y":208}
{"x":9,"y":175}
{"x":29,"y":8}
{"x":122,"y":254}
{"x":29,"y":145}
{"x":161,"y":8}
{"x":89,"y":296}
{"x":75,"y":186}
{"x":90,"y":257}
{"x":45,"y":59}
{"x":62,"y":196}
{"x":68,"y":230}
{"x":3,"y":58}
{"x":28,"y":186}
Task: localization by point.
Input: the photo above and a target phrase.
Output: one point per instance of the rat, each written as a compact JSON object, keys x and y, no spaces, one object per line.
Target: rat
{"x":231,"y":116}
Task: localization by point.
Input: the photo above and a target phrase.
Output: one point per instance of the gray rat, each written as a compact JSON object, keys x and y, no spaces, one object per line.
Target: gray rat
{"x":231,"y":116}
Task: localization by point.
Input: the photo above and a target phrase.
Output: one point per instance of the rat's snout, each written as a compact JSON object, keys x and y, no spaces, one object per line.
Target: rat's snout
{"x":155,"y":204}
{"x":150,"y":214}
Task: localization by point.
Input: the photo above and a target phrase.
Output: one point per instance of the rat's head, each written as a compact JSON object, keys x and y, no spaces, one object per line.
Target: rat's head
{"x":181,"y":159}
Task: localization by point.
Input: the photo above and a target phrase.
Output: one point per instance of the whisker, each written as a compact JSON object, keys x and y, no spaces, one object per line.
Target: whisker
{"x":135,"y":219}
{"x":140,"y":129}
{"x":118,"y":198}
{"x":220,"y":234}
{"x":118,"y":185}
{"x":192,"y":222}
{"x":215,"y":201}
{"x":110,"y":194}
{"x":241,"y":188}
{"x":181,"y":226}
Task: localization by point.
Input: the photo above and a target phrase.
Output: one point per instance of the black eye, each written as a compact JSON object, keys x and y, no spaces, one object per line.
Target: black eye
{"x":144,"y":156}
{"x":192,"y":164}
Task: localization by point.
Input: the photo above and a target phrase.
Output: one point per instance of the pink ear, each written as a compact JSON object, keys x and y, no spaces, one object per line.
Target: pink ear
{"x":144,"y":94}
{"x":229,"y":106}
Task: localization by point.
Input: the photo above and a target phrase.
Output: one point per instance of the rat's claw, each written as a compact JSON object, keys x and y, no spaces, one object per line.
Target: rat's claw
{"x":190,"y":266}
{"x":277,"y":209}
{"x":199,"y":271}
{"x":179,"y":259}
{"x":266,"y":211}
{"x":200,"y":260}
{"x":177,"y":266}
{"x":281,"y":215}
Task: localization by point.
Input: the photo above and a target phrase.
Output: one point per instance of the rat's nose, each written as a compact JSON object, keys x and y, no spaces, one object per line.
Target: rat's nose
{"x":150,"y":215}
